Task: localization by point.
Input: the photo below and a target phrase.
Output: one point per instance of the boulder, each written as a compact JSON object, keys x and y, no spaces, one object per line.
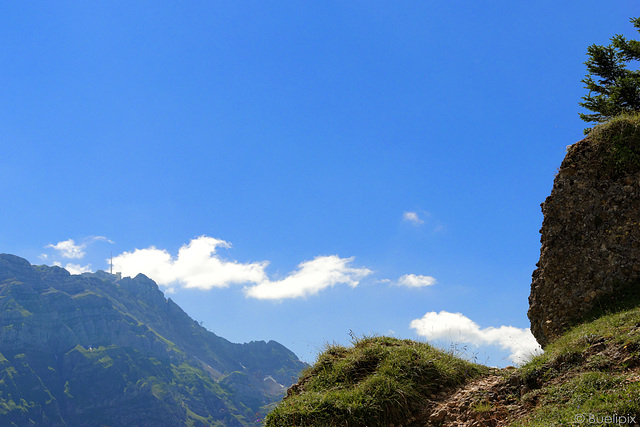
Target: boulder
{"x":590,"y":236}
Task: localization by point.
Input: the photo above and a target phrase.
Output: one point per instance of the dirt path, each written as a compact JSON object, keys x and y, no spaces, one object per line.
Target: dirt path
{"x":486,"y":401}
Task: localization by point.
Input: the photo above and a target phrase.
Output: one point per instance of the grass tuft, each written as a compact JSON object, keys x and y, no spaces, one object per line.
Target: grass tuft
{"x":377,"y":381}
{"x":620,"y":139}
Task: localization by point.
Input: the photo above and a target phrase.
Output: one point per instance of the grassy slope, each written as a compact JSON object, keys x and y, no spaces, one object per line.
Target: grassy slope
{"x":378,"y":381}
{"x":593,"y":369}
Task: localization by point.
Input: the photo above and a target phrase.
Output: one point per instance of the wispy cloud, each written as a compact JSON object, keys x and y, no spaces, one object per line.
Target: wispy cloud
{"x":416,"y":281}
{"x":460,"y":329}
{"x":412,"y":217}
{"x":100,"y":239}
{"x":310,"y":278}
{"x":423,"y":220}
{"x":69,"y":249}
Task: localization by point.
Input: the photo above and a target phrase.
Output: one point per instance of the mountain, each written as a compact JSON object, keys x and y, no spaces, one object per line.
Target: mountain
{"x":97,"y":349}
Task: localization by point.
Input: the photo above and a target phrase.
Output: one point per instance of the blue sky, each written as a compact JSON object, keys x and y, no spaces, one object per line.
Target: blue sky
{"x":299,"y":170}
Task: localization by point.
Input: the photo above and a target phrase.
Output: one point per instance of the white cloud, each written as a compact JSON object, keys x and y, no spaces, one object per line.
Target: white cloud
{"x":69,"y":249}
{"x":72,"y":250}
{"x":460,"y":329}
{"x":78,"y":269}
{"x":196,"y":266}
{"x":416,"y":281}
{"x":413,"y":218}
{"x":75,"y":268}
{"x":101,"y":239}
{"x":310,"y":278}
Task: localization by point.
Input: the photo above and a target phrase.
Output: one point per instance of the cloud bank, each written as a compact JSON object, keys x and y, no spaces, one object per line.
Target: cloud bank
{"x":458,"y":328}
{"x":198,"y":265}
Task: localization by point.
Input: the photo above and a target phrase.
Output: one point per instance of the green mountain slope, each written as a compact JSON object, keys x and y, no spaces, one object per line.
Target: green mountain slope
{"x":94,"y":349}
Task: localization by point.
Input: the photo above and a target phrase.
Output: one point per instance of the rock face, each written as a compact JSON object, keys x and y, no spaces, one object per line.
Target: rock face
{"x":591,"y":230}
{"x":94,"y":349}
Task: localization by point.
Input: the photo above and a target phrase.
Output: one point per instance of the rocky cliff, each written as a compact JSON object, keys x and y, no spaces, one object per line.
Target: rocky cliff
{"x":93,"y":349}
{"x":590,"y":253}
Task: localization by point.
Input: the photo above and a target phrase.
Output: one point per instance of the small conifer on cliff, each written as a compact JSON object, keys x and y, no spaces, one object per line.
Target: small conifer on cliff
{"x":613,"y":88}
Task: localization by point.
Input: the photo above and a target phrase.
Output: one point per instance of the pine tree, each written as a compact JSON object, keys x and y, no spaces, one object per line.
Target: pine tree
{"x":613,"y":88}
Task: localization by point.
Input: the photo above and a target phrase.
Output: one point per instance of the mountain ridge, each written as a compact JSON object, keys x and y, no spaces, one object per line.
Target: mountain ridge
{"x":56,"y":329}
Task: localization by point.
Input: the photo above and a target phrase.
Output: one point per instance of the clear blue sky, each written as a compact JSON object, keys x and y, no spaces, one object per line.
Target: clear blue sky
{"x":313,"y":160}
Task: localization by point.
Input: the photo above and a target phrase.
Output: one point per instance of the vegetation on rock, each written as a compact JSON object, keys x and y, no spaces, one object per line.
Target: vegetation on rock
{"x":619,"y":139}
{"x":613,"y":88}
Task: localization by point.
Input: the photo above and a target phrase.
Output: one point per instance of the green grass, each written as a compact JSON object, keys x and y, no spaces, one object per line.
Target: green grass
{"x":593,"y":370}
{"x":587,"y":371}
{"x":482,"y":406}
{"x":620,"y":140}
{"x":378,"y":381}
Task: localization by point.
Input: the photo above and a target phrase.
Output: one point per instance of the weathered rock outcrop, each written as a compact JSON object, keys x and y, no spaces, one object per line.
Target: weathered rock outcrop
{"x":590,"y":251}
